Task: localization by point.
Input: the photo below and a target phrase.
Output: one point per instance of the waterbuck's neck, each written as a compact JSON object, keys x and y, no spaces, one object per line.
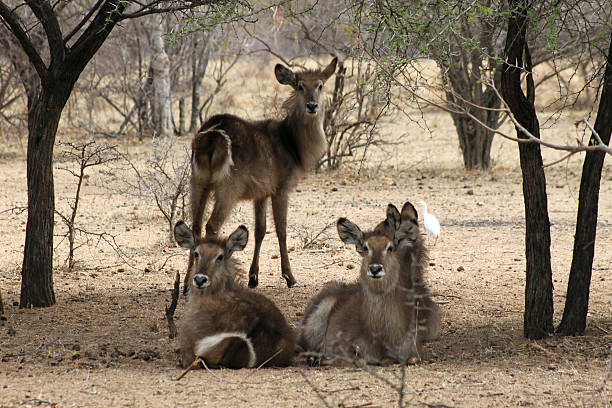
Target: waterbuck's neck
{"x":385,"y":314}
{"x":306,"y":132}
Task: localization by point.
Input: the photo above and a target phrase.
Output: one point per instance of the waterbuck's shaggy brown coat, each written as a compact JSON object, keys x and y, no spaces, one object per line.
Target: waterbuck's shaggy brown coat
{"x":239,"y":159}
{"x":387,"y":315}
{"x":224,"y":324}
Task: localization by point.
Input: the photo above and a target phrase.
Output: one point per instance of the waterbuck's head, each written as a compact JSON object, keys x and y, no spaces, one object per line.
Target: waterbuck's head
{"x":213,"y":269}
{"x":307,"y":85}
{"x":380,"y":267}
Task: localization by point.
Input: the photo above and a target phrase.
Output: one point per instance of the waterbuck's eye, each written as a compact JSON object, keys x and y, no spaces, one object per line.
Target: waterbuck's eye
{"x":320,"y":86}
{"x":300,"y":87}
{"x":367,"y":247}
{"x":219,"y":258}
{"x":389,"y":248}
{"x":196,"y":254}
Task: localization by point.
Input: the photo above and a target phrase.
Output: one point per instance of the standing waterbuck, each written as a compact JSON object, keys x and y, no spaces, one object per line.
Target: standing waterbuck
{"x":237,"y":159}
{"x":381,"y":318}
{"x":224,"y":324}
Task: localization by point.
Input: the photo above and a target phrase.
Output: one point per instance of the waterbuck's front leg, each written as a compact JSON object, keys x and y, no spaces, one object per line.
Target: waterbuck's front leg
{"x":279,"y":210}
{"x":260,"y":232}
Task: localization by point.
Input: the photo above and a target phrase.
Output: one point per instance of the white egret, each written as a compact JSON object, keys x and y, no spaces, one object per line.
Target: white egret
{"x":432,"y":225}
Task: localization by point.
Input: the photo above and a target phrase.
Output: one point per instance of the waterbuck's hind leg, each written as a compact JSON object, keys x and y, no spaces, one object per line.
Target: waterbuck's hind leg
{"x":199,"y":197}
{"x":260,"y":232}
{"x":279,"y":209}
{"x":187,"y":274}
{"x":224,"y":203}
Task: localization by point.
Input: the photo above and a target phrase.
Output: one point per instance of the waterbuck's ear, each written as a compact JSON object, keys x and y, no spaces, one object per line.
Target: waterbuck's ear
{"x":284,"y":75}
{"x":350,"y":233}
{"x":407,"y":235}
{"x":237,"y":240}
{"x":393,"y":217}
{"x":330,"y":69}
{"x":409,"y":213}
{"x":183,"y":235}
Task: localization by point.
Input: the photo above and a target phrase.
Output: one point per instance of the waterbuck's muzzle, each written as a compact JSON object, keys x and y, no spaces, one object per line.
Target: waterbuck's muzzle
{"x":312,"y":107}
{"x":376,"y":271}
{"x":201,"y":281}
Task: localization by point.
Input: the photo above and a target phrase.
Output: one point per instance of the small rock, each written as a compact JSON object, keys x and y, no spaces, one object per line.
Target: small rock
{"x":470,"y":192}
{"x":334,"y":189}
{"x":460,"y":269}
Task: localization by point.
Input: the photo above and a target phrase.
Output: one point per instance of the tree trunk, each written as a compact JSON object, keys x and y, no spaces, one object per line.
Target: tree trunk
{"x":161,"y":81}
{"x":199,"y":65}
{"x":577,"y":299}
{"x":474,"y":141}
{"x":464,"y":80}
{"x":181,"y":127}
{"x":43,"y":119}
{"x":538,"y":315}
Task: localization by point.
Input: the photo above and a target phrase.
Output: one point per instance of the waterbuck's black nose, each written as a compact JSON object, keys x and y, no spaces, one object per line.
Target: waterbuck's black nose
{"x":312,"y":106}
{"x":375,"y":269}
{"x":199,"y":280}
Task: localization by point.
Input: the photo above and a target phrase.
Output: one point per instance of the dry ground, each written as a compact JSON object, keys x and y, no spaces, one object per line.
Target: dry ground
{"x":105,"y":342}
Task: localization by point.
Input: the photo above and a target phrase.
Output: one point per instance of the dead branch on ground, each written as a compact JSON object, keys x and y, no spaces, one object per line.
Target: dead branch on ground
{"x":172,"y":331}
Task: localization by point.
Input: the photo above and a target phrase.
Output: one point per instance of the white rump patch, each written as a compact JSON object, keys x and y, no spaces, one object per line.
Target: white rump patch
{"x":208,"y":342}
{"x":315,"y":327}
{"x":227,"y":165}
{"x":204,"y":173}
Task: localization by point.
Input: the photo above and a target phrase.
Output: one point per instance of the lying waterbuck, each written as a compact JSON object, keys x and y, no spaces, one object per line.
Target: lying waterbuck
{"x":226,"y":325}
{"x":376,"y":319}
{"x":237,"y":159}
{"x":413,"y":258}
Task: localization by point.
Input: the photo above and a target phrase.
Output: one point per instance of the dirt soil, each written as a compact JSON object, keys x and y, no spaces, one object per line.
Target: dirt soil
{"x":105,"y":342}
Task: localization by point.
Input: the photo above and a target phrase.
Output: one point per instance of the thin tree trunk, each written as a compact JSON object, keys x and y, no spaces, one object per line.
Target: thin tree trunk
{"x":161,"y":81}
{"x":199,"y":65}
{"x":538,"y":289}
{"x":181,"y":128}
{"x":577,"y":299}
{"x":37,"y":268}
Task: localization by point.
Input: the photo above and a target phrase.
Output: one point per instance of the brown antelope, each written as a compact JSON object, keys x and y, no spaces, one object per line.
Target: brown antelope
{"x":239,"y":159}
{"x":413,"y":257}
{"x":224,"y":324}
{"x":382,"y":318}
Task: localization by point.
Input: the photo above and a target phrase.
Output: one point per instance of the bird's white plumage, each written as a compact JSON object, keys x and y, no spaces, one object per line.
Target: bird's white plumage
{"x":432,"y":225}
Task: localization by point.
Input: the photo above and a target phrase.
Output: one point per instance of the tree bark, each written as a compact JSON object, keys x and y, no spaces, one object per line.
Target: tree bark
{"x":475,"y":142}
{"x":538,"y":314}
{"x":577,"y":299}
{"x":43,"y":120}
{"x":161,"y":81}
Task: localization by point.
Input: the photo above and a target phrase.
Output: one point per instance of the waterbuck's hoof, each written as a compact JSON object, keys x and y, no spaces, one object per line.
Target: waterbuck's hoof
{"x":253,"y":282}
{"x":291,"y":283}
{"x":313,"y":361}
